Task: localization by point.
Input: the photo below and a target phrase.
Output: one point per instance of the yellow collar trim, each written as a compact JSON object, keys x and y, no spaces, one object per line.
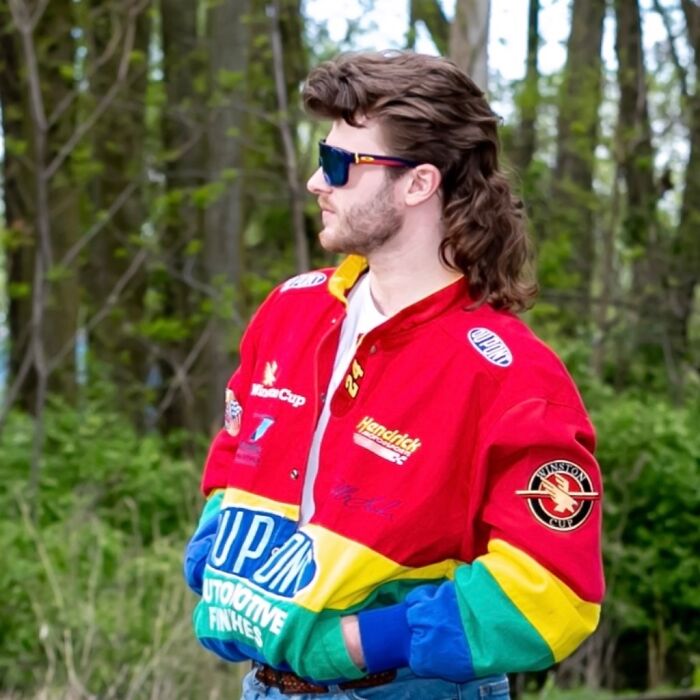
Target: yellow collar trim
{"x":345,"y":276}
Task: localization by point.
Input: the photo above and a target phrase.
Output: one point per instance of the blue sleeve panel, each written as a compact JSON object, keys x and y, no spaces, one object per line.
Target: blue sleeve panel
{"x":424,"y":632}
{"x":385,"y":637}
{"x":198,"y":548}
{"x":196,"y":555}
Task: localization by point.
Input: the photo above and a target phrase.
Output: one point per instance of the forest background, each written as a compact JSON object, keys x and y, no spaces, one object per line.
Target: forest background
{"x":154,"y":155}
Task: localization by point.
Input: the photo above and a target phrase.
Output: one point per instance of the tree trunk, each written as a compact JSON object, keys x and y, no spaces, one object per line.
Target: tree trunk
{"x":44,"y":206}
{"x":636,"y":157}
{"x":119,"y":146}
{"x":228,"y":41}
{"x":577,"y":136}
{"x":686,"y":249}
{"x":469,"y":38}
{"x":287,"y":133}
{"x":184,"y":123}
{"x":63,"y":299}
{"x":276,"y":68}
{"x":529,"y":97}
{"x":18,"y":200}
{"x":601,"y":311}
{"x":429,"y":12}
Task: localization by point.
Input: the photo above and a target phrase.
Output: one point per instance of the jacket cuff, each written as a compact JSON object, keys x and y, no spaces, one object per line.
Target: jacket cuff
{"x":211,"y":507}
{"x":325,"y":657}
{"x":385,"y":637}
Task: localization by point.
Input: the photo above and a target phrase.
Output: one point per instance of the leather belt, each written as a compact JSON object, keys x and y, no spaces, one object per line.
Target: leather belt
{"x":289,"y":682}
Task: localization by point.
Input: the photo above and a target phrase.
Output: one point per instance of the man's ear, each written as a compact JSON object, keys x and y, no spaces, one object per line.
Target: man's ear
{"x":423,"y":181}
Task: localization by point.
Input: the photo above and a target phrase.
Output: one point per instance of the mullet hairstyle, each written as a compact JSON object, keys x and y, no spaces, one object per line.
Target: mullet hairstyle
{"x":431,"y":112}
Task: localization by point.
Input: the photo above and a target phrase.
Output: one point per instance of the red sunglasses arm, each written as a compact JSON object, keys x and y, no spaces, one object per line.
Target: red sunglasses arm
{"x":364,"y":159}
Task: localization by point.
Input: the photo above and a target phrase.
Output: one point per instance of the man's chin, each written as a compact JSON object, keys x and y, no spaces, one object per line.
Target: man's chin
{"x":330,"y":243}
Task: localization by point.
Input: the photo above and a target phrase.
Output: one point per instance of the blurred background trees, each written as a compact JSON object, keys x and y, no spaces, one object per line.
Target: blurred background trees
{"x":154,"y":155}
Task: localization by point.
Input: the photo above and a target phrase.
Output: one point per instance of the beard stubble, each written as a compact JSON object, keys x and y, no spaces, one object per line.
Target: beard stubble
{"x":365,"y":227}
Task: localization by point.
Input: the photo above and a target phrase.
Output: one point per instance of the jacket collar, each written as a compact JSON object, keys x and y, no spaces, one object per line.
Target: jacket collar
{"x":455,"y":294}
{"x":345,"y":275}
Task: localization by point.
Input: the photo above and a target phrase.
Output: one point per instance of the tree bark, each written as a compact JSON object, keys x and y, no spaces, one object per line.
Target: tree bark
{"x":636,"y":158}
{"x":577,"y":136}
{"x":48,"y":208}
{"x":430,"y":12}
{"x":18,"y":200}
{"x":686,"y":248}
{"x":227,"y":33}
{"x":529,"y":97}
{"x":469,"y":37}
{"x":270,"y":143}
{"x":118,"y":142}
{"x":287,"y":132}
{"x":184,"y":124}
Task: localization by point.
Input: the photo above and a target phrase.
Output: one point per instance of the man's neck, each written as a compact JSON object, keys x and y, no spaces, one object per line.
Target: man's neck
{"x":397,"y":281}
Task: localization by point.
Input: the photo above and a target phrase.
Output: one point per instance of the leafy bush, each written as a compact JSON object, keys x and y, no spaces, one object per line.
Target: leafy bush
{"x":94,"y":602}
{"x":650,"y":455}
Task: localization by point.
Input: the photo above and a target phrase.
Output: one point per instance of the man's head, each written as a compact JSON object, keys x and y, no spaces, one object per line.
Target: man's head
{"x":360,"y":206}
{"x":424,"y":109}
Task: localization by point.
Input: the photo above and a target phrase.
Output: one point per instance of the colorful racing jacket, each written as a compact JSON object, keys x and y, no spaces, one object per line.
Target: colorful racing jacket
{"x":457,"y":498}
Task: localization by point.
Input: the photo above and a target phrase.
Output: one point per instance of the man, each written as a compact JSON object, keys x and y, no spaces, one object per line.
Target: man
{"x":403,"y":501}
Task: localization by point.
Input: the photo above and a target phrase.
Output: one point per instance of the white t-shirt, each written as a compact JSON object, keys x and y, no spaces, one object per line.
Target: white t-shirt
{"x":362,"y":316}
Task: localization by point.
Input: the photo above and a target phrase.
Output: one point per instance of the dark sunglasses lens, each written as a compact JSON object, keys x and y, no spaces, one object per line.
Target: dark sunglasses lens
{"x":334,"y":165}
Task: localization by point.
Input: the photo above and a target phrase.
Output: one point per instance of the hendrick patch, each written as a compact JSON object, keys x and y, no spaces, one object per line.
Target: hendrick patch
{"x":490,"y":345}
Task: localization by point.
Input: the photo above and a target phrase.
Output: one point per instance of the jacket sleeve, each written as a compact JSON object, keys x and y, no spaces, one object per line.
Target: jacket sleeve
{"x":220,"y":458}
{"x":533,"y":594}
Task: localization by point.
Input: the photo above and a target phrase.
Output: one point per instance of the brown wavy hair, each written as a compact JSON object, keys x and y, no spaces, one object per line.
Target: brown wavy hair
{"x":432,"y":112}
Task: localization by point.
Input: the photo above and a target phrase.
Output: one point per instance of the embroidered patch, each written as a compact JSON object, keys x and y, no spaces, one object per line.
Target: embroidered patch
{"x":392,"y":445}
{"x":308,"y":279}
{"x":491,"y":346}
{"x":265,"y":424}
{"x":270,"y":374}
{"x":560,"y":495}
{"x":353,"y":379}
{"x":232,"y":414}
{"x":264,"y":548}
{"x":267,"y":389}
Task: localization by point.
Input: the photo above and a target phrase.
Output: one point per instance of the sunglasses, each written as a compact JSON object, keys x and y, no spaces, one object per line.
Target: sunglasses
{"x":335,"y":162}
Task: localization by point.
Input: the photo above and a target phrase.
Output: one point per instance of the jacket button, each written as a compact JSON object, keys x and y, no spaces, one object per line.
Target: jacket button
{"x":322,"y":397}
{"x":294,"y":474}
{"x":372,"y":350}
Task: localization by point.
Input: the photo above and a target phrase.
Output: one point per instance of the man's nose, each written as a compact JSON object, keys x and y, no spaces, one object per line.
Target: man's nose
{"x":317,"y":184}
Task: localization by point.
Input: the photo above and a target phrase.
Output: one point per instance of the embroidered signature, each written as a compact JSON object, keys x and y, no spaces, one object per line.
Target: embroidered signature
{"x":347,"y":494}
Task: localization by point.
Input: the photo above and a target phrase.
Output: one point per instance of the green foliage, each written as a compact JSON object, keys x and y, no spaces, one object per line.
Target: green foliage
{"x":207,"y":194}
{"x":93,"y":596}
{"x":94,"y":600}
{"x":16,"y":147}
{"x":58,"y":273}
{"x":552,"y":693}
{"x":650,"y":455}
{"x":164,"y":329}
{"x":229,"y":80}
{"x":19,"y":290}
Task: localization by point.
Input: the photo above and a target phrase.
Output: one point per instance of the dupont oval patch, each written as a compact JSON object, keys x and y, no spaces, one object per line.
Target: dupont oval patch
{"x":490,"y":345}
{"x":308,"y":279}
